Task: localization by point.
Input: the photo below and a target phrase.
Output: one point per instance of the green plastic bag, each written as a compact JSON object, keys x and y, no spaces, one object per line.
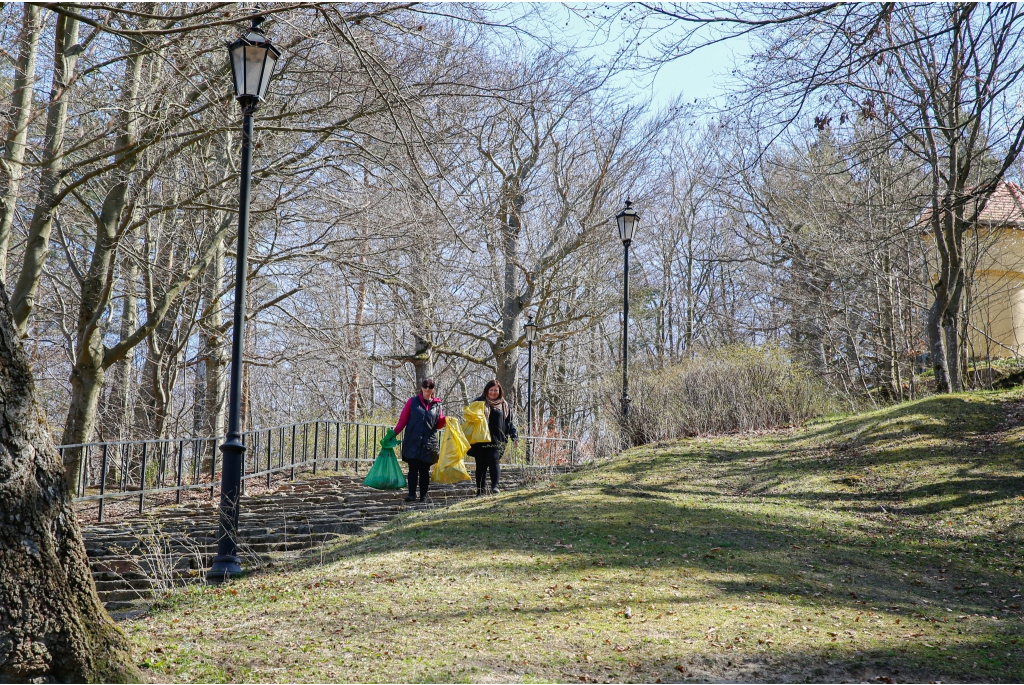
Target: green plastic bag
{"x":386,"y":474}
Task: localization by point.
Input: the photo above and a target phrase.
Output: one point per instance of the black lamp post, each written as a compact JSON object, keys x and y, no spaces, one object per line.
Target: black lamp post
{"x":253,"y":59}
{"x":530,"y":331}
{"x":627,"y":220}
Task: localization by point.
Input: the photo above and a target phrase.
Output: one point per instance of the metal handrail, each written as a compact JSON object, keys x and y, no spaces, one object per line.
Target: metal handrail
{"x":122,"y":469}
{"x":171,"y":466}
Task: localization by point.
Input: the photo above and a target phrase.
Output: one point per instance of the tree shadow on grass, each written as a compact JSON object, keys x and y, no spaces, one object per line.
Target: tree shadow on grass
{"x":838,"y":664}
{"x":797,"y":559}
{"x":935,"y":416}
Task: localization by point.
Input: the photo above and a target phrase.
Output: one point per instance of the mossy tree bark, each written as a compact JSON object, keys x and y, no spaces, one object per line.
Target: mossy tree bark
{"x":52,"y":625}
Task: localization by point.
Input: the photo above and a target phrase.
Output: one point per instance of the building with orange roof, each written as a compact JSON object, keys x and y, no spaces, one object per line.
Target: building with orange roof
{"x":996,"y":297}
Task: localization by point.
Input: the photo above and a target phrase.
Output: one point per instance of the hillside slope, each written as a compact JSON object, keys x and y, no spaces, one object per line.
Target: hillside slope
{"x":885,"y":546}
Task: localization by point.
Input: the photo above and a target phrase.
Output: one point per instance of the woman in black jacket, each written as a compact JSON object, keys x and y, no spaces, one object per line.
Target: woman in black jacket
{"x":501,"y":422}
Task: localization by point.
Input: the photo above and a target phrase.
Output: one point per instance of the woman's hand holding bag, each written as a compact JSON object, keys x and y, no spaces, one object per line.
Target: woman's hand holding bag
{"x":450,"y":466}
{"x":386,"y":474}
{"x":476,"y":429}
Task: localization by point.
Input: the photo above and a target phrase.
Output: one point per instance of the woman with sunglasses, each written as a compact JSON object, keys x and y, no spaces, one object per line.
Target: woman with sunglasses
{"x":421,"y":418}
{"x":501,"y":423}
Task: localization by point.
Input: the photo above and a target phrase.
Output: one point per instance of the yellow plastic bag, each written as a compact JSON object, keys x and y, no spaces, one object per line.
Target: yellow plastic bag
{"x":451,"y":464}
{"x":477,"y":429}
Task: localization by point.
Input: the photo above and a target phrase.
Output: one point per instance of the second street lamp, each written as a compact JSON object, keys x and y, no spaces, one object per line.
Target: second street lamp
{"x":627,"y":221}
{"x":530,"y":332}
{"x":253,"y":58}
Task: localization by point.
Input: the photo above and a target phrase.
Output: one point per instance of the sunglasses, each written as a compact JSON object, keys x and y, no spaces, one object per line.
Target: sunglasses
{"x":428,"y":386}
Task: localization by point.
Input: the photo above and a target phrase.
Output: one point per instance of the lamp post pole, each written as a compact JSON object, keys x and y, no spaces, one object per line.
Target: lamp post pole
{"x":627,"y":221}
{"x":529,"y":387}
{"x":253,"y":58}
{"x":625,"y":328}
{"x":530,"y":330}
{"x":227,"y":562}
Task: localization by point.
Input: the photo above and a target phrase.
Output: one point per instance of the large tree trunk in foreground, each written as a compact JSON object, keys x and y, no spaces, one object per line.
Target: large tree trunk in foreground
{"x":52,"y":625}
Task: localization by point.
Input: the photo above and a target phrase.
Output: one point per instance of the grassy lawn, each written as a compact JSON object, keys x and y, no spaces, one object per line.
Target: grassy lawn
{"x":885,"y":547}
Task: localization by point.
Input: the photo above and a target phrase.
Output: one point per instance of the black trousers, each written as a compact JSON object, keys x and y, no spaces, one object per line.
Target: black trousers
{"x":485,"y":463}
{"x":419,"y":471}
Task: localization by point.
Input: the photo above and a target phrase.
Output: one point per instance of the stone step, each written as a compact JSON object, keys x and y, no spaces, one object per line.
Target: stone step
{"x":123,"y":584}
{"x":296,"y":516}
{"x":124,"y":596}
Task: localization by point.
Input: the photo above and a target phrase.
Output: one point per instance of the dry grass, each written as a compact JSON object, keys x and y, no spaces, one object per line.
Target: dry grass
{"x":882,"y":547}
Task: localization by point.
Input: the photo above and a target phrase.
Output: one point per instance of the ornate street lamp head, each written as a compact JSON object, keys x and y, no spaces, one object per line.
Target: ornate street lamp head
{"x":627,"y":220}
{"x":530,"y":329}
{"x":253,"y":58}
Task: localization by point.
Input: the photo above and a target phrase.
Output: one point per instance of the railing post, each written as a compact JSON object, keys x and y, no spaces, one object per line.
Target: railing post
{"x":126,"y":451}
{"x":293,"y":452}
{"x":181,"y":466}
{"x":103,"y":483}
{"x":316,"y":444}
{"x":84,"y":470}
{"x":356,"y":461}
{"x":213,"y":469}
{"x":142,"y":477}
{"x":305,"y":442}
{"x":348,"y":442}
{"x":241,"y":479}
{"x":280,"y":448}
{"x":270,"y":441}
{"x":162,"y":472}
{"x":337,"y":446}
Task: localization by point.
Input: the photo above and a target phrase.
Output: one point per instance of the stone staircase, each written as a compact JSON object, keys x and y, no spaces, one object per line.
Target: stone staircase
{"x":135,"y":559}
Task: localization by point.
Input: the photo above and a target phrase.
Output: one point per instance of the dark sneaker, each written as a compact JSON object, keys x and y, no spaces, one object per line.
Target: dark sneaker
{"x":410,"y":498}
{"x":495,"y":491}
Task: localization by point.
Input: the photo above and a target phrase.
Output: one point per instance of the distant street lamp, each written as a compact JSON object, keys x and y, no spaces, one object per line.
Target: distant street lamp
{"x":627,"y":220}
{"x":530,"y":331}
{"x":253,"y":59}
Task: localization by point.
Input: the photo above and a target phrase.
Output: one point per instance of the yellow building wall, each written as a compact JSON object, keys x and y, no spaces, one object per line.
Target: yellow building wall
{"x":997,"y":298}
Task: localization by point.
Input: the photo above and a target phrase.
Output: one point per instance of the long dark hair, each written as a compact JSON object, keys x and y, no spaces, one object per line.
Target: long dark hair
{"x":492,"y":384}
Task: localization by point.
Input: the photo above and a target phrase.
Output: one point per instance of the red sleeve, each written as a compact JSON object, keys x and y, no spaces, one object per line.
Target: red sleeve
{"x":403,"y":418}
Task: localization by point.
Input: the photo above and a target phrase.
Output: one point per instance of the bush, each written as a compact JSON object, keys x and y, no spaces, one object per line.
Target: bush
{"x":738,"y":388}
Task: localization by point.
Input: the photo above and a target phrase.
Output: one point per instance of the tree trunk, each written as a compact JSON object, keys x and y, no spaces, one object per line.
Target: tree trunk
{"x":52,"y":625}
{"x":506,"y":356}
{"x":420,"y":297}
{"x":936,"y":343}
{"x":214,"y":342}
{"x":357,"y":332}
{"x":90,"y":354}
{"x":21,"y":103}
{"x":117,"y":418}
{"x":38,"y":241}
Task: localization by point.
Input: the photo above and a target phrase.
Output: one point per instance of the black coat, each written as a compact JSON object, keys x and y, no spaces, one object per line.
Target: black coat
{"x":503,"y":429}
{"x":421,"y":441}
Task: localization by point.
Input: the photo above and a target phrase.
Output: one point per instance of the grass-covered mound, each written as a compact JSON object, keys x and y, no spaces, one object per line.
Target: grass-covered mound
{"x":885,"y":546}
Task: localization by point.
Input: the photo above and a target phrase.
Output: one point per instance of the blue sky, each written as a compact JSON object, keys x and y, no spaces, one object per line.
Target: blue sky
{"x":702,"y":75}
